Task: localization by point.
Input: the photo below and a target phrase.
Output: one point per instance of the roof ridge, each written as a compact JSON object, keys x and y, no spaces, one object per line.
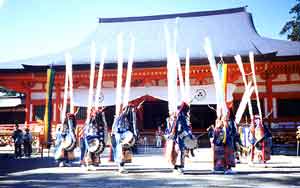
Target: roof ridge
{"x":169,"y":16}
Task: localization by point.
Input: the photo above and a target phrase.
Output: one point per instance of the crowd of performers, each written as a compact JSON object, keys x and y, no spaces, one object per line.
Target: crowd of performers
{"x":229,"y":142}
{"x":93,"y":138}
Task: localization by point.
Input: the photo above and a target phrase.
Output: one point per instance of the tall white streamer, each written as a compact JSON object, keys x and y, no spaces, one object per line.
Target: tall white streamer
{"x":129,"y":72}
{"x":169,"y":72}
{"x":119,"y":73}
{"x":251,"y":57}
{"x":239,"y":62}
{"x":187,"y":76}
{"x":64,"y":107}
{"x":100,"y":75}
{"x":92,"y":75}
{"x":214,"y":71}
{"x":70,"y":78}
{"x":248,"y":92}
{"x":181,"y":84}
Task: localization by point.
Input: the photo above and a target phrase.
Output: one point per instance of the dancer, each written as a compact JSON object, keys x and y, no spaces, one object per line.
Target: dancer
{"x":224,"y":145}
{"x":261,"y":140}
{"x":95,"y":134}
{"x":124,"y":135}
{"x":219,"y":135}
{"x":158,"y":137}
{"x":180,"y":138}
{"x":66,"y":141}
{"x":230,"y":143}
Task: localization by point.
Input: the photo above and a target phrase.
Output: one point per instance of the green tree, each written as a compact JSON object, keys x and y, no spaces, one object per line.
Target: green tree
{"x":292,"y":27}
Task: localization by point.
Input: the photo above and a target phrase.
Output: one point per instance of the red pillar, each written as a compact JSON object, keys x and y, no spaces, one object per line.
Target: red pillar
{"x":27,"y":105}
{"x":269,"y":93}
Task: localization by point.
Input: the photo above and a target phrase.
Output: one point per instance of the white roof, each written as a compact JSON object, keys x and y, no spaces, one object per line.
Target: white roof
{"x":231,"y":32}
{"x":10,"y":101}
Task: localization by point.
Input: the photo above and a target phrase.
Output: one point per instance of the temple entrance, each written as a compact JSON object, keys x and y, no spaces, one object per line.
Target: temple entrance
{"x":202,"y":116}
{"x":155,"y":114}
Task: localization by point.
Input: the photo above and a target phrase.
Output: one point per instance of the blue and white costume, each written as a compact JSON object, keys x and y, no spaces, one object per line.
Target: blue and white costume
{"x":124,"y":134}
{"x":95,"y":133}
{"x":66,"y":141}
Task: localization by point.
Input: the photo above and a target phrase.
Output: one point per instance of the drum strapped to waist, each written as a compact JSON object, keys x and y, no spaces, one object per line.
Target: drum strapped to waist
{"x":68,"y":143}
{"x":127,"y":139}
{"x":189,"y":141}
{"x":95,"y":144}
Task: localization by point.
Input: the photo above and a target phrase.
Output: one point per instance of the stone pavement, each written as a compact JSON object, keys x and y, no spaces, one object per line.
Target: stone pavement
{"x":151,"y":170}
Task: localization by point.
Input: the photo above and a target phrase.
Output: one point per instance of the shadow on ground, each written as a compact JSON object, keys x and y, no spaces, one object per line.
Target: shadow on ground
{"x":8,"y":164}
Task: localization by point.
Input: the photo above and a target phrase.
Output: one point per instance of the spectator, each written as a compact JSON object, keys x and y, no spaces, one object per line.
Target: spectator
{"x":158,"y":137}
{"x":145,"y":144}
{"x":18,"y":140}
{"x":27,"y":143}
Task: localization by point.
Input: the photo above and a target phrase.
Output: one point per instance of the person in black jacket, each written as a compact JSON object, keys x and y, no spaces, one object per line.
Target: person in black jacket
{"x":18,"y":140}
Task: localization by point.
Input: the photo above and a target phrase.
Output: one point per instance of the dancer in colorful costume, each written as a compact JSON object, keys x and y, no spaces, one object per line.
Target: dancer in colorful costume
{"x":244,"y":146}
{"x":225,"y":133}
{"x":180,"y":138}
{"x":219,"y":136}
{"x":261,"y":140}
{"x":124,"y":135}
{"x":259,"y":136}
{"x":66,"y":138}
{"x":95,"y":136}
{"x":225,"y":129}
{"x":93,"y":140}
{"x":66,"y":141}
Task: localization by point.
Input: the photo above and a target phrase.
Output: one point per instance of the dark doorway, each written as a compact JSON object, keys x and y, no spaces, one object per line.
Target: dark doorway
{"x":155,"y":114}
{"x":202,"y":116}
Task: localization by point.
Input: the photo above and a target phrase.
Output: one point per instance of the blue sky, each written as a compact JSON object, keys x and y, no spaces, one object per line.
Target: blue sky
{"x":36,"y":27}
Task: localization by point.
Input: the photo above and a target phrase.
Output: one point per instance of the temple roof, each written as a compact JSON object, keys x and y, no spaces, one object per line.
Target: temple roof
{"x":231,"y":32}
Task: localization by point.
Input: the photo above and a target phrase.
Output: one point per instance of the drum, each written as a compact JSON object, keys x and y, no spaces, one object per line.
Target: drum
{"x":190,"y":142}
{"x":95,"y":144}
{"x":127,"y":139}
{"x":68,"y":143}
